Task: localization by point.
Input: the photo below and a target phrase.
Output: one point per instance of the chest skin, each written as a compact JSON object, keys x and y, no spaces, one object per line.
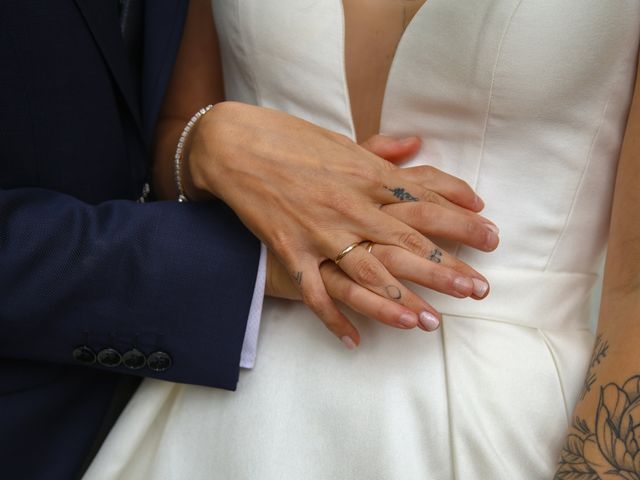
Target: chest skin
{"x":373,"y":29}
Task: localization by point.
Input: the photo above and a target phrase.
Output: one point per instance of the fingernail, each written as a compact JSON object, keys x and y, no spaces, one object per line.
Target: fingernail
{"x":492,"y":228}
{"x":407,"y":141}
{"x":480,"y":287}
{"x":463,"y":285}
{"x":348,"y":342}
{"x":479,"y":203}
{"x":493,"y":240}
{"x":429,"y":321}
{"x":408,"y":320}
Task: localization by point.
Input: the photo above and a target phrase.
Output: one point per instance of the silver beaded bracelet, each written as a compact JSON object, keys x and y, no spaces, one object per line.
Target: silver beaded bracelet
{"x":182,"y":197}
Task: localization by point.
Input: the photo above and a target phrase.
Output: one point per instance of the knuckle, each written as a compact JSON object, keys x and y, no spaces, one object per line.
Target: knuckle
{"x":413,"y":242}
{"x":348,"y":294}
{"x":431,"y":197}
{"x":429,"y":171}
{"x":444,"y":278}
{"x":421,"y":213}
{"x":387,"y":167}
{"x":386,"y":256}
{"x":344,"y":206}
{"x":365,"y":271}
{"x":425,"y":173}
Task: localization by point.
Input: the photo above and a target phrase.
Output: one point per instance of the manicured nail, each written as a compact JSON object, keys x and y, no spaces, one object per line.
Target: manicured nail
{"x":348,"y":342}
{"x":408,"y":320}
{"x":429,"y":321}
{"x":493,"y":240}
{"x":492,"y":228}
{"x":463,"y":285}
{"x":480,"y":287}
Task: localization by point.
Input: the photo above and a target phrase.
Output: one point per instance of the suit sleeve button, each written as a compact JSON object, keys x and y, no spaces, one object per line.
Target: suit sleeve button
{"x":159,"y":361}
{"x":109,"y":357}
{"x":134,"y":359}
{"x":84,"y":354}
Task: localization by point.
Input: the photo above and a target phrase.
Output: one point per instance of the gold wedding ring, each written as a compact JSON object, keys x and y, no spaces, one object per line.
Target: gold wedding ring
{"x":368,"y":246}
{"x":344,"y":252}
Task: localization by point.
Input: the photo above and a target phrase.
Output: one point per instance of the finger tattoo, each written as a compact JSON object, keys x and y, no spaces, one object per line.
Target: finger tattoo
{"x":393,"y":292}
{"x":435,"y":255}
{"x":297,"y":277}
{"x":402,"y":194}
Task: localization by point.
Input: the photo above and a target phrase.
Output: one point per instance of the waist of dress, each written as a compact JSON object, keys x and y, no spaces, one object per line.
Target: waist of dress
{"x":530,"y":298}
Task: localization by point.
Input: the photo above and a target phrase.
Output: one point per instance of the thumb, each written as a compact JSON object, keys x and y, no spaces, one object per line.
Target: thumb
{"x":392,"y":149}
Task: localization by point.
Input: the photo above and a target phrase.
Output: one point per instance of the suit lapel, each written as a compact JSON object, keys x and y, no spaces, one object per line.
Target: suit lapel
{"x":101,"y":17}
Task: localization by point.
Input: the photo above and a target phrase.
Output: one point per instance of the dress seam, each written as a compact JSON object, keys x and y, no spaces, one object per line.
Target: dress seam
{"x":490,"y":102}
{"x":583,"y":176}
{"x":248,"y":54}
{"x":346,"y":96}
{"x":445,"y":363}
{"x":485,"y":127}
{"x":547,"y":343}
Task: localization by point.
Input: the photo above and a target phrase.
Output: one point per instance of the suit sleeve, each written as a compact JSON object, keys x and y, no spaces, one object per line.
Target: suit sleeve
{"x":161,"y":289}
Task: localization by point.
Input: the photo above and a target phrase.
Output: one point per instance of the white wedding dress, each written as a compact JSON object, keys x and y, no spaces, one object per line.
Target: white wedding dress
{"x":527,"y":101}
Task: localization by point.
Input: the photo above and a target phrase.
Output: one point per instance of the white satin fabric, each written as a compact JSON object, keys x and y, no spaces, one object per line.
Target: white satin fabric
{"x":527,"y":101}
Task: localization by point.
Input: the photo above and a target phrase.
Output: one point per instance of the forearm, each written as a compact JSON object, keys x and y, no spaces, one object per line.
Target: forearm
{"x":167,"y":134}
{"x":196,"y":81}
{"x":603,"y":439}
{"x":601,"y":436}
{"x":123,"y":275}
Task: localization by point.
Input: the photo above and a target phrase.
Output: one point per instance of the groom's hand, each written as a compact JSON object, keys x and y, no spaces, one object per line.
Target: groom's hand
{"x":308,"y":193}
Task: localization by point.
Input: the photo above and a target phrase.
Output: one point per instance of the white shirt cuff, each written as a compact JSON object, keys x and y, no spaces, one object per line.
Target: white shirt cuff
{"x":250,"y":345}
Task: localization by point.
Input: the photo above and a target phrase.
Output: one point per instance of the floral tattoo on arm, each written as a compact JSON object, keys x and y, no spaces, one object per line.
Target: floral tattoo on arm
{"x":599,"y":352}
{"x":610,"y":447}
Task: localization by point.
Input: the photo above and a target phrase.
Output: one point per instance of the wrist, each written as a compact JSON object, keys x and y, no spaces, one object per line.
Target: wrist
{"x":191,"y":171}
{"x":185,"y":187}
{"x":202,"y":158}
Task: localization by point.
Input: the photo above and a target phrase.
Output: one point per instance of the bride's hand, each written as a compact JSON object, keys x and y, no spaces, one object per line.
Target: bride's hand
{"x":308,"y":193}
{"x":440,"y":215}
{"x":340,"y":287}
{"x":439,"y":271}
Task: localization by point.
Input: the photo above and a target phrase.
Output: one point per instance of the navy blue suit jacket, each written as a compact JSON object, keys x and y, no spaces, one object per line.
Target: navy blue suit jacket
{"x":81,"y":263}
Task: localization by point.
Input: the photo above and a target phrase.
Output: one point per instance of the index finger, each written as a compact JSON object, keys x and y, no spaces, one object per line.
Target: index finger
{"x":450,"y":187}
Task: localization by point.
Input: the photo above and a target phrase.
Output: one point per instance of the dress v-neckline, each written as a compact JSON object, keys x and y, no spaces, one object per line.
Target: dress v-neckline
{"x":392,"y":66}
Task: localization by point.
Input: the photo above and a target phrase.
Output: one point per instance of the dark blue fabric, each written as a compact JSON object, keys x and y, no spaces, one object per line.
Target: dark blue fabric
{"x":80,"y":261}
